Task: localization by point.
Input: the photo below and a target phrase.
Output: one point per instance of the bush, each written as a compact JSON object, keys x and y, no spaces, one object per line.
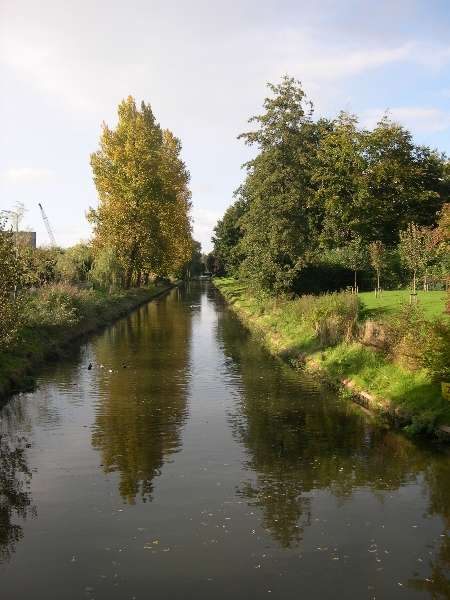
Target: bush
{"x":11,"y":275}
{"x":74,"y":264}
{"x":332,"y":317}
{"x":54,"y":305}
{"x":107,"y":272}
{"x":417,"y":342}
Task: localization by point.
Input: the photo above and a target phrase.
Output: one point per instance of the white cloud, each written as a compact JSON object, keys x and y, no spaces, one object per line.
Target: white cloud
{"x":419,"y":119}
{"x":333,"y":63}
{"x":204,"y":222}
{"x":25,"y":175}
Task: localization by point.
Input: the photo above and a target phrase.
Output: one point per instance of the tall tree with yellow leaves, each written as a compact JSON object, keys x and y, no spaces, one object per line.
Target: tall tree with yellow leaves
{"x":142,"y":184}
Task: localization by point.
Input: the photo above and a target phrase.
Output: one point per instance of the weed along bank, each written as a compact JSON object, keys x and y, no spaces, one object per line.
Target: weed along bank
{"x":397,"y":366}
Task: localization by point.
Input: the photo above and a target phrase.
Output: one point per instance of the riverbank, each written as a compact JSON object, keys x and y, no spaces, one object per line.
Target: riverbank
{"x":58,"y":317}
{"x":409,"y":399}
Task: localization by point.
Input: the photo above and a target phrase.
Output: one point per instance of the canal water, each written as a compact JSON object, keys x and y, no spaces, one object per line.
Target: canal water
{"x":187,"y":463}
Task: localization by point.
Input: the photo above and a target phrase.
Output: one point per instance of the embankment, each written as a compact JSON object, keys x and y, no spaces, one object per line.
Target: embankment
{"x":323,"y":335}
{"x":59,"y":318}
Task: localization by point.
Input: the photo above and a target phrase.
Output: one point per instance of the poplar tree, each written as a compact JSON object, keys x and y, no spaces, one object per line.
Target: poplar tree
{"x":142,"y":185}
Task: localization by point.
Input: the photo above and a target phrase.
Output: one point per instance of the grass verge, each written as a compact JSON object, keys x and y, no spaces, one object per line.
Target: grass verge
{"x":57,"y":317}
{"x":409,"y":398}
{"x":432,"y":303}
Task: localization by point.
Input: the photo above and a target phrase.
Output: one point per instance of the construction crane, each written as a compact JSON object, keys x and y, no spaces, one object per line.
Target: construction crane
{"x":47,"y":226}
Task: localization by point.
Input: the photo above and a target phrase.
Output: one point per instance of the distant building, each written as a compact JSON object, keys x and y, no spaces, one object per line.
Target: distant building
{"x":26,"y":238}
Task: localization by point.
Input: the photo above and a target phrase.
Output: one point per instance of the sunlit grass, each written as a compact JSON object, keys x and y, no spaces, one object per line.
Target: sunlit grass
{"x":432,"y":303}
{"x":286,"y":334}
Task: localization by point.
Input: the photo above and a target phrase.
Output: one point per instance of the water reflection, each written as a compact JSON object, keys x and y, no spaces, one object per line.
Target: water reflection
{"x":142,"y":393}
{"x":437,"y":583}
{"x":15,"y":480}
{"x":301,"y":440}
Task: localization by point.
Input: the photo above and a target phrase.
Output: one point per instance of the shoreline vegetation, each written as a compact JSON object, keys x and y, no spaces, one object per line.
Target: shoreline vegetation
{"x":141,"y":241}
{"x":372,"y":361}
{"x":65,"y":314}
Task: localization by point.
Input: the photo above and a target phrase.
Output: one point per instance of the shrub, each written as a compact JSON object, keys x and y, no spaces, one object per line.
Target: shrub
{"x":74,"y":264}
{"x":54,"y":305}
{"x":417,"y":342}
{"x":106,"y":271}
{"x":11,"y":275}
{"x":332,"y":317}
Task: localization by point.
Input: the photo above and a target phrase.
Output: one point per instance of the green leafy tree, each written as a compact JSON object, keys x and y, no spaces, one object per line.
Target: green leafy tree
{"x":414,"y":250}
{"x":279,"y":227}
{"x":373,"y":183}
{"x":355,"y":258}
{"x":377,"y":254}
{"x":227,"y":235}
{"x":74,"y":264}
{"x":11,"y":274}
{"x":107,"y":271}
{"x":338,"y":176}
{"x":39,"y":265}
{"x":195,"y":266}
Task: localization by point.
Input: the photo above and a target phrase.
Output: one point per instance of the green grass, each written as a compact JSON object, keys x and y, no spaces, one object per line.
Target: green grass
{"x":432,"y":303}
{"x":287,"y":335}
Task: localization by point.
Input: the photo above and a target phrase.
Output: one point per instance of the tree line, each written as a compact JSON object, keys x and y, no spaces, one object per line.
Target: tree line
{"x":142,"y":228}
{"x":326,"y":197}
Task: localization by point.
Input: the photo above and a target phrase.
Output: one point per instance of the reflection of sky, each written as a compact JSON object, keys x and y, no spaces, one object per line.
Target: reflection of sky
{"x":203,"y":66}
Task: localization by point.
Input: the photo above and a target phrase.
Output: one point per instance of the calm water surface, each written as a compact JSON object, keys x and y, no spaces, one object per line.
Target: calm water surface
{"x":189,"y":464}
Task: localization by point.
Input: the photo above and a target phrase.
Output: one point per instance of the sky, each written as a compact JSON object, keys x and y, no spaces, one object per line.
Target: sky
{"x":203,"y":66}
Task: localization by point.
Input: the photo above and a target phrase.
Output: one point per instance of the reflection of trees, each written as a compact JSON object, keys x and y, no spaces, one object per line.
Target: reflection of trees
{"x":15,"y":477}
{"x":143,"y":407}
{"x":299,"y":440}
{"x":437,"y":584}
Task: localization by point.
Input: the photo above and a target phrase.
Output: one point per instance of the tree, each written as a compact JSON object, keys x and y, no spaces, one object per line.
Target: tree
{"x":39,"y":265}
{"x":377,"y":253}
{"x":373,"y":183}
{"x":211,"y":262}
{"x":11,"y":273}
{"x":279,"y":225}
{"x":195,"y":266}
{"x":227,"y":235}
{"x":338,"y":177}
{"x":142,"y":185}
{"x":414,"y":251}
{"x":107,"y":271}
{"x":441,"y":240}
{"x":74,"y":264}
{"x":355,"y":257}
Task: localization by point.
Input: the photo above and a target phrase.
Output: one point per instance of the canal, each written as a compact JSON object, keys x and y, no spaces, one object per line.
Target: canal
{"x":187,"y":463}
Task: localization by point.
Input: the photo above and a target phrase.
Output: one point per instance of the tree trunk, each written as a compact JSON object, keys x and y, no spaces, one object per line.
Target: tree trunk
{"x":356,"y":288}
{"x":130,"y":269}
{"x":413,"y":296}
{"x":128,"y":277}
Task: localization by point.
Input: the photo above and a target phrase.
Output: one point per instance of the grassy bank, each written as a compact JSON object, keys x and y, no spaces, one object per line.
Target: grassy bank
{"x":328,"y":334}
{"x":54,"y":317}
{"x":390,"y":302}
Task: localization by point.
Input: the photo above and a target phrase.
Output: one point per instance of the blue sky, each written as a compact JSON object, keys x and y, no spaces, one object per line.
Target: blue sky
{"x":64,"y":67}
